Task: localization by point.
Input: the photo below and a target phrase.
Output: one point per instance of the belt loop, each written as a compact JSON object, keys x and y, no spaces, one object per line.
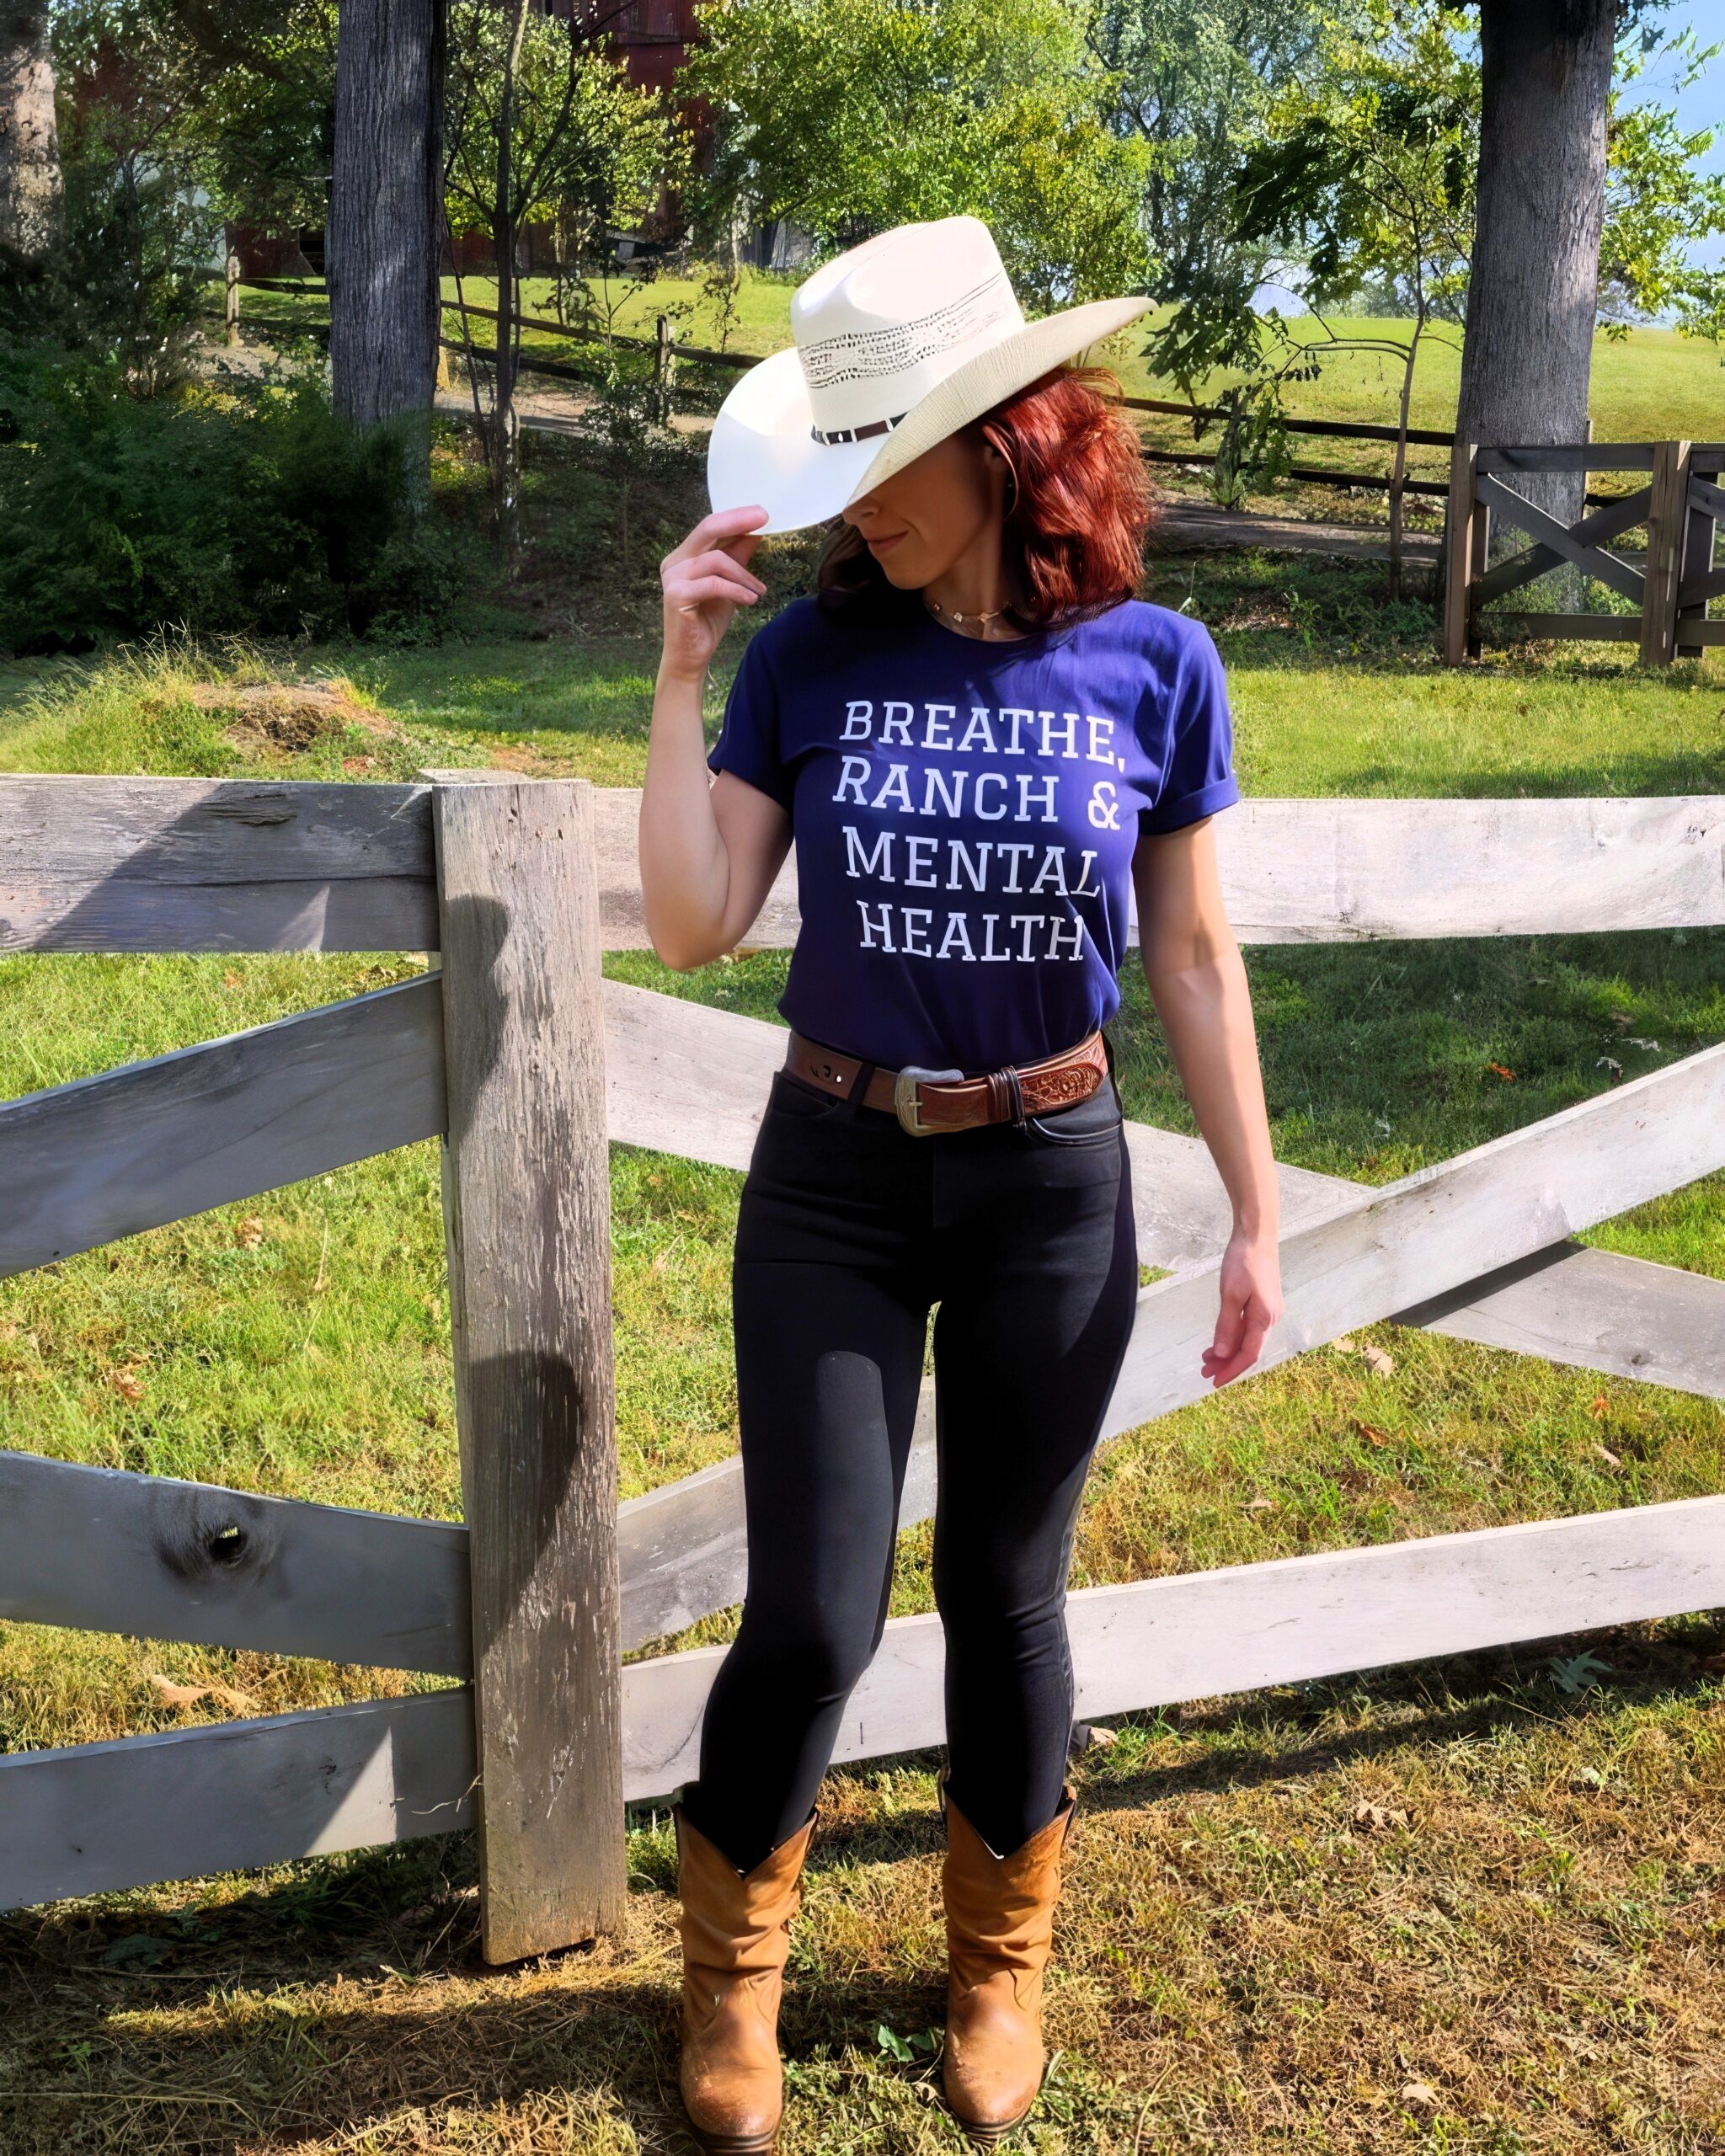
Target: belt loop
{"x":1016,"y":1090}
{"x":859,"y":1084}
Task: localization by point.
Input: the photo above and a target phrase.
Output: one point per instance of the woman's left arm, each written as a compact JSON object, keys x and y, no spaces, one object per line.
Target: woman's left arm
{"x":1198,"y":985}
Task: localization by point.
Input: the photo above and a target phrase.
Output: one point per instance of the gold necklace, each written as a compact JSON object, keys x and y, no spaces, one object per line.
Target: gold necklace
{"x":990,"y":614}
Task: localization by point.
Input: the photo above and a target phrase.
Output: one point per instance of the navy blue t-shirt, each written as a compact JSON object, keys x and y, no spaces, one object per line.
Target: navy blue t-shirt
{"x":965,"y":813}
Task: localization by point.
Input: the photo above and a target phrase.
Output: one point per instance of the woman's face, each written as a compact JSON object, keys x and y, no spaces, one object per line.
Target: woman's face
{"x":922,"y":521}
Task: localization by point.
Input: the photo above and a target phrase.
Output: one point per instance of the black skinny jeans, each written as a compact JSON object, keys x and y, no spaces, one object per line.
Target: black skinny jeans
{"x":850,"y":1229}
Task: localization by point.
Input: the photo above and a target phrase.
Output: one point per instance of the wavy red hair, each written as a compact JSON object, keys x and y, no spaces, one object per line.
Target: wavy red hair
{"x":1077,"y":520}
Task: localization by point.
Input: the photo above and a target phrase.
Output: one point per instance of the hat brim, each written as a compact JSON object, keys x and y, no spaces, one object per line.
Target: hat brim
{"x":761,"y":451}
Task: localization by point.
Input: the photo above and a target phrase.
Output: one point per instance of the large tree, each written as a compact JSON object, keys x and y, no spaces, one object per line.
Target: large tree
{"x":386,"y":209}
{"x":30,"y":151}
{"x":1533,"y":297}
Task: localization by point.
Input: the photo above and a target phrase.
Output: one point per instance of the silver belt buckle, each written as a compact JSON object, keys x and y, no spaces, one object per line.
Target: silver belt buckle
{"x":906,"y":1103}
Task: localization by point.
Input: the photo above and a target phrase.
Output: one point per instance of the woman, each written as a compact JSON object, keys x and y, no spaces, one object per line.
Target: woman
{"x":979,"y":740}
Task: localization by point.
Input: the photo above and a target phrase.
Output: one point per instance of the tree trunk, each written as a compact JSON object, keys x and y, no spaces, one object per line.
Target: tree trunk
{"x":29,"y":148}
{"x":386,"y":203}
{"x":1533,"y":293}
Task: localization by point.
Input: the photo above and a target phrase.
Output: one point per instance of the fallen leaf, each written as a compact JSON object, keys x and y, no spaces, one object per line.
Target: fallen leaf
{"x":127,"y":1384}
{"x":1606,"y":1455}
{"x":250,"y":1232}
{"x":1600,"y":1408}
{"x":1419,"y":2095}
{"x":1378,"y":1363}
{"x":1372,"y":1434}
{"x":1342,"y":1344}
{"x":188,"y":1696}
{"x":1377,"y":1819}
{"x":231,"y":979}
{"x":1500,"y":1070}
{"x":1262,"y":1505}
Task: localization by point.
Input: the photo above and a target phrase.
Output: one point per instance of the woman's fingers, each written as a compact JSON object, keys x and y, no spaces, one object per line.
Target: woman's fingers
{"x":724,"y":524}
{"x":715,"y":563}
{"x":686,"y":593}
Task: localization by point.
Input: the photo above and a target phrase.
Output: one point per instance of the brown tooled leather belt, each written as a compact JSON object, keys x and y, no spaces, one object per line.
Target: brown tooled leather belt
{"x":925,"y":1101}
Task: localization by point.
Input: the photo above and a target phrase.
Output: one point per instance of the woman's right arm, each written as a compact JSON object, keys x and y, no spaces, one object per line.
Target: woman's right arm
{"x":709,"y":848}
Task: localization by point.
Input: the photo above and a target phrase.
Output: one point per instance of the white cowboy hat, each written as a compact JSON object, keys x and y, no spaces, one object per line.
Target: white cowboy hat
{"x":900,"y":342}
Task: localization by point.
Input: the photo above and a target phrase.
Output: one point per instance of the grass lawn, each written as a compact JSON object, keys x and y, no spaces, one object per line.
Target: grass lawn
{"x":1474,"y":1905}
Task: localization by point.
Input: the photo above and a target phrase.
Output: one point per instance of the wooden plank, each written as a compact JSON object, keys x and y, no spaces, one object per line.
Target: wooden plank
{"x":1571,"y":456}
{"x":1666,"y":522}
{"x":1694,"y":594}
{"x":1593,"y":530}
{"x":1458,"y":559}
{"x":1355,"y":871}
{"x":527,"y":1200}
{"x":1323,"y":475}
{"x":700,"y":1093}
{"x":1591,"y":628}
{"x":1201,"y":1635}
{"x":224,"y":1796}
{"x":109,"y":1551}
{"x":227,"y":1796}
{"x":1710,"y":500}
{"x":173,"y":864}
{"x":1605,"y":568}
{"x":1211,"y":414}
{"x":1698,"y":581}
{"x":88,"y":1162}
{"x":1594,"y":1309}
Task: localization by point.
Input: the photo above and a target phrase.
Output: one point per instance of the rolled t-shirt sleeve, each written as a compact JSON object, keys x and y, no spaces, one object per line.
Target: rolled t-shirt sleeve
{"x":1197,"y":739}
{"x":748,"y":741}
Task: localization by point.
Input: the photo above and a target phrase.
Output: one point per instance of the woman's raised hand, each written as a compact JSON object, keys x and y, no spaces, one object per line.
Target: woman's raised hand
{"x":706,"y":580}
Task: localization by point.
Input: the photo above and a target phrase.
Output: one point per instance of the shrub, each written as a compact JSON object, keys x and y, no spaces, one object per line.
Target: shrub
{"x":247,"y":505}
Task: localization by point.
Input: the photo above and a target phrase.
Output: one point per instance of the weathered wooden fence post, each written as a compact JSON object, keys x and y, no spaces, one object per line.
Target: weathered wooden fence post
{"x":1667,"y":514}
{"x":1458,"y":570}
{"x":526,"y":1191}
{"x":230,"y":313}
{"x":1706,"y":502}
{"x":664,"y":368}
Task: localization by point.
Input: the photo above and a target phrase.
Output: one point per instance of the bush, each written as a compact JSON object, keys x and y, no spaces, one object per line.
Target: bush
{"x":247,"y":506}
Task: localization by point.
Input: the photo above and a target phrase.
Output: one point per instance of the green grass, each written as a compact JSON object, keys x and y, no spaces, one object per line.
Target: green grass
{"x":1528,"y":1925}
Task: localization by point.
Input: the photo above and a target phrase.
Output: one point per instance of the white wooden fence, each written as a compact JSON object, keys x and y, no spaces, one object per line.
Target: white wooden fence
{"x":531,"y":1604}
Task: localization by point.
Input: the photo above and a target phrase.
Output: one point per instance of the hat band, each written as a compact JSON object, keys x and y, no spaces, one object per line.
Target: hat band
{"x":832,"y":436}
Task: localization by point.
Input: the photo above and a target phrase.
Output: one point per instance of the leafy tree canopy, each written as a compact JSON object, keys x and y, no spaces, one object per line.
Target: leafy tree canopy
{"x":851,"y":116}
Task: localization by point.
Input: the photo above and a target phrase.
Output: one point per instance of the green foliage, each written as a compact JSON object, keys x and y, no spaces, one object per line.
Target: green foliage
{"x":585,"y":147}
{"x":242,"y":96}
{"x":851,"y":116}
{"x":1194,"y":80}
{"x":1659,"y":204}
{"x":248,"y":507}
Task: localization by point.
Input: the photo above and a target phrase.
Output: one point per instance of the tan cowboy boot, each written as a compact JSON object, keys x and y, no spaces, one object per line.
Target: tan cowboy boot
{"x":735,"y":1929}
{"x":1000,"y":1925}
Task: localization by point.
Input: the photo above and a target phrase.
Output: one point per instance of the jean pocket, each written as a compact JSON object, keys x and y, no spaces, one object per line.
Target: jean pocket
{"x":797,"y":1099}
{"x":1093,"y":1120}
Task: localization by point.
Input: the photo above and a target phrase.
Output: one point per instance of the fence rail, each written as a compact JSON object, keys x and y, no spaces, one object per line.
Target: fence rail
{"x":525,"y":1064}
{"x":667,"y":352}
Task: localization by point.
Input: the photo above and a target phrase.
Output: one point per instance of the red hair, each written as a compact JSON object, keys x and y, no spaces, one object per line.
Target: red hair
{"x":1077,"y":518}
